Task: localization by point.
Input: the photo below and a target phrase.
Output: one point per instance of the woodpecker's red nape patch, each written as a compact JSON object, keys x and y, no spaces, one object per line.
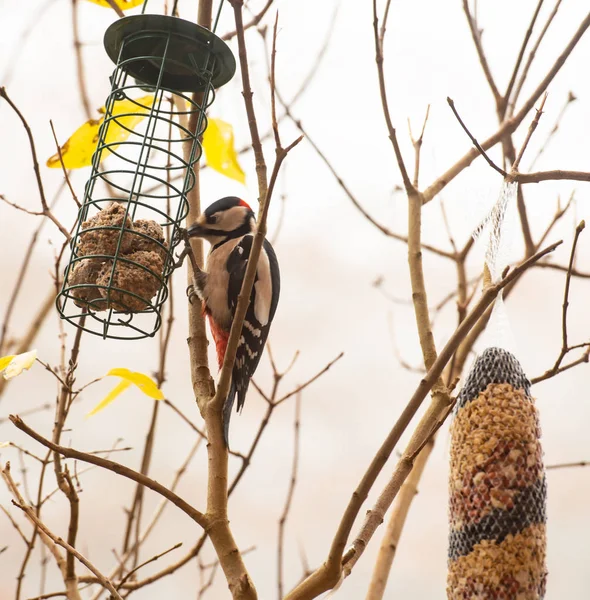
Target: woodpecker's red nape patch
{"x":244,"y":204}
{"x":221,"y":337}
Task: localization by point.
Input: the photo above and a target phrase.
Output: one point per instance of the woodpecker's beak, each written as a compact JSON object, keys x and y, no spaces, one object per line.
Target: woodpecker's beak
{"x":195,"y":230}
{"x":198,"y":228}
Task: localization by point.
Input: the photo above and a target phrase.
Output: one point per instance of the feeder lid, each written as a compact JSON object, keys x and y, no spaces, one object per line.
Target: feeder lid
{"x":137,"y":43}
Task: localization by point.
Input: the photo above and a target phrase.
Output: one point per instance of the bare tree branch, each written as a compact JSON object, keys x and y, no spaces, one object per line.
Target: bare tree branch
{"x":490,"y":162}
{"x":46,"y":211}
{"x":510,"y":125}
{"x":512,"y":101}
{"x":117,"y":468}
{"x":289,"y":498}
{"x":525,"y":41}
{"x":393,"y":532}
{"x":565,"y":347}
{"x":327,"y":575}
{"x":476,"y":34}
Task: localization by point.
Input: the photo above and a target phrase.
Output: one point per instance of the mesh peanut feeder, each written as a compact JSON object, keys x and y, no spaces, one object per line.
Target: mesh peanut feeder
{"x":497,"y":486}
{"x":116,"y":280}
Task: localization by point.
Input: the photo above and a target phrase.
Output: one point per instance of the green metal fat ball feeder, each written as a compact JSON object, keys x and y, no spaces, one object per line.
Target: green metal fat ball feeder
{"x":122,"y":250}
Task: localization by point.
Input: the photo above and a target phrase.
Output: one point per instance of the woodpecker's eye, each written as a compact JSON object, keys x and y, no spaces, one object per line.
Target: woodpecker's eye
{"x":211,"y":219}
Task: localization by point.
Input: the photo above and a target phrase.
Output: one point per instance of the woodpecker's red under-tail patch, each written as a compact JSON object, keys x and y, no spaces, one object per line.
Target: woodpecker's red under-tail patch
{"x":221,"y":337}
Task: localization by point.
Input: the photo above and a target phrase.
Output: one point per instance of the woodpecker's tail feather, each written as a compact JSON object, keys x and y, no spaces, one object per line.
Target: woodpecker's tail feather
{"x":229,"y":404}
{"x":227,"y":407}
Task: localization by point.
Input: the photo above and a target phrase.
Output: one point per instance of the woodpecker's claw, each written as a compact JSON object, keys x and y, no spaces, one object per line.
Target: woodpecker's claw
{"x":191,"y":293}
{"x":181,"y":256}
{"x":181,"y":236}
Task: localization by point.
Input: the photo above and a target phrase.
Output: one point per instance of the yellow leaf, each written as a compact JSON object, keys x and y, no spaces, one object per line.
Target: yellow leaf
{"x":146,"y":384}
{"x":78,"y":150}
{"x":122,"y":4}
{"x":18,"y":364}
{"x":5,"y":361}
{"x":120,"y":387}
{"x":218,"y":143}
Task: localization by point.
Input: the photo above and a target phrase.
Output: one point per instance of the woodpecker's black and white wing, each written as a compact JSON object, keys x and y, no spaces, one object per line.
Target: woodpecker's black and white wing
{"x":263,"y":304}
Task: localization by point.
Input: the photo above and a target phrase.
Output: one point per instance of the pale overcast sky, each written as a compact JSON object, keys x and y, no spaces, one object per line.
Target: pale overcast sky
{"x":329,"y":257}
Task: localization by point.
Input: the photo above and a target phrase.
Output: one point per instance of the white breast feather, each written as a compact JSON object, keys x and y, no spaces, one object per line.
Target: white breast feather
{"x":215,"y":292}
{"x":263,"y":290}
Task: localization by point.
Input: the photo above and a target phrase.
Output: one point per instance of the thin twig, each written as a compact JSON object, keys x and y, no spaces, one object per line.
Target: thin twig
{"x":198,"y":431}
{"x":509,"y":125}
{"x":581,"y":463}
{"x":116,"y":8}
{"x":301,"y":387}
{"x":585,"y":358}
{"x":417,"y":143}
{"x":147,"y":562}
{"x":555,"y":175}
{"x":22,"y":271}
{"x":565,"y":347}
{"x":253,"y":23}
{"x":134,"y":512}
{"x":17,"y":50}
{"x":158,"y":512}
{"x":568,"y":279}
{"x":62,"y":475}
{"x":25,"y":342}
{"x":117,"y":468}
{"x":46,"y":210}
{"x":559,"y":213}
{"x":395,"y":525}
{"x":15,"y":525}
{"x":32,"y":516}
{"x":512,"y":101}
{"x":36,"y":533}
{"x":206,"y":585}
{"x":570,"y":99}
{"x":397,"y":353}
{"x":575,"y":272}
{"x":61,"y":162}
{"x":531,"y":130}
{"x":80,"y":71}
{"x":273,"y":101}
{"x":490,"y":162}
{"x":477,"y":41}
{"x":289,"y":498}
{"x":379,"y":59}
{"x":272,"y":402}
{"x":429,"y":424}
{"x":525,"y":41}
{"x":103,"y":580}
{"x":348,"y":192}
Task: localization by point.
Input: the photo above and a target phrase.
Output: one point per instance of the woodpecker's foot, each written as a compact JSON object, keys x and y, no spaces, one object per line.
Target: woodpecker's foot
{"x":191,"y":293}
{"x":181,"y":256}
{"x":181,"y":236}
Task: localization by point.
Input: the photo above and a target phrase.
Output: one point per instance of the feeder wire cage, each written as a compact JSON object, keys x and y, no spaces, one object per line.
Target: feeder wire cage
{"x":122,"y":249}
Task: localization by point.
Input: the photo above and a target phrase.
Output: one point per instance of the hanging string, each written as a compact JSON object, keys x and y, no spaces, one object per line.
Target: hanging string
{"x":498,"y":227}
{"x":499,"y":243}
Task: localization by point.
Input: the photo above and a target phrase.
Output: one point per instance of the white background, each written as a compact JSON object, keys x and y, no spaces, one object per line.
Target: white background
{"x":329,"y":258}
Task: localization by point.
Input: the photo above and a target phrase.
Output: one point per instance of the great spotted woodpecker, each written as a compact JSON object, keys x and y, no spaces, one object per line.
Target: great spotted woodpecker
{"x":228,"y":225}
